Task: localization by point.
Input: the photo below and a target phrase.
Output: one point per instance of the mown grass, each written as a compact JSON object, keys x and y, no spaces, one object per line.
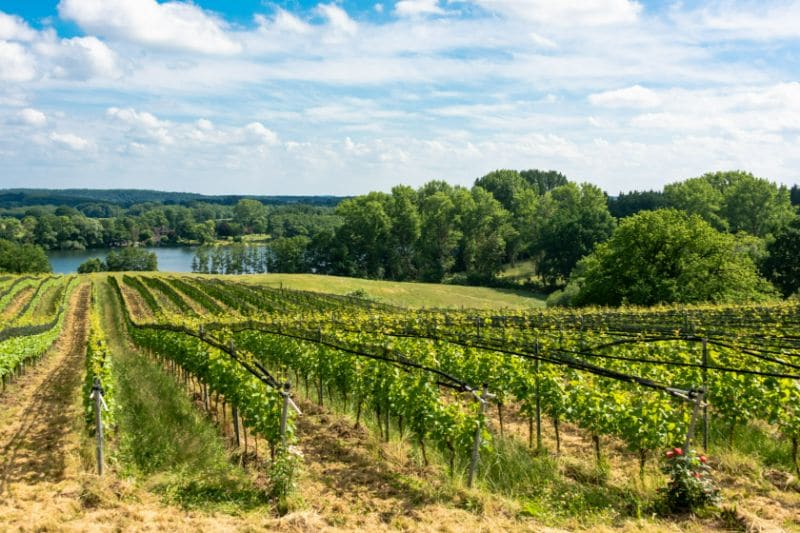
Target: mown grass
{"x":414,"y":295}
{"x":165,"y":442}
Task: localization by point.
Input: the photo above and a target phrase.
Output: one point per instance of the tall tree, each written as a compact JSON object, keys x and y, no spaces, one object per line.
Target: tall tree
{"x":365,"y":231}
{"x":405,"y":233}
{"x":486,"y":228}
{"x":543,"y":181}
{"x":756,"y":205}
{"x":575,"y":218}
{"x":441,"y":236}
{"x":251,"y":214}
{"x":782,"y":266}
{"x":504,"y":185}
{"x":697,"y":196}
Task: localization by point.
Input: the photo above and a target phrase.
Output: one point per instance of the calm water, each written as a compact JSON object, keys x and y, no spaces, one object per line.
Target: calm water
{"x":177,"y":259}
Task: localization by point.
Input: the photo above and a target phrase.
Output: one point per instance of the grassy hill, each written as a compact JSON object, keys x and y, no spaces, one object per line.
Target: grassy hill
{"x":404,"y":294}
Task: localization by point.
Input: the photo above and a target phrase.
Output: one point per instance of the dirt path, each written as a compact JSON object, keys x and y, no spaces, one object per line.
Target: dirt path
{"x":17,"y":302}
{"x":38,"y":443}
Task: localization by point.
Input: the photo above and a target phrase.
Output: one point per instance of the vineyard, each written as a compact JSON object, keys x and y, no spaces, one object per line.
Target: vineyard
{"x":481,"y":396}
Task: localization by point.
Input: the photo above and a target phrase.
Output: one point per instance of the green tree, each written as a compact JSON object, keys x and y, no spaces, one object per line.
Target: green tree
{"x":734,"y":201}
{"x":504,"y":185}
{"x":131,"y":258}
{"x":575,"y":218}
{"x":441,"y":236}
{"x":405,"y":233}
{"x":92,"y":265}
{"x":627,"y":204}
{"x":667,"y":256}
{"x":365,"y":231}
{"x":782,"y":265}
{"x":22,"y":258}
{"x":486,"y":230}
{"x":526,"y":224}
{"x":251,"y":215}
{"x":204,"y":232}
{"x":543,"y":181}
{"x":756,"y":205}
{"x":289,"y":254}
{"x":697,"y":196}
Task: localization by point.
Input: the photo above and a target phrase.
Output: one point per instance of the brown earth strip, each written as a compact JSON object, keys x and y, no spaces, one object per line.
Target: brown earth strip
{"x":17,"y":302}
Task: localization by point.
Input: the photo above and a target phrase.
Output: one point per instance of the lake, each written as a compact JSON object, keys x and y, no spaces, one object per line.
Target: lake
{"x":176,"y":259}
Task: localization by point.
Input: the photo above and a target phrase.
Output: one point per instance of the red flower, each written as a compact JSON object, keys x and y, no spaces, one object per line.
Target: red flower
{"x":703,"y":458}
{"x":670,"y":454}
{"x":677,"y":451}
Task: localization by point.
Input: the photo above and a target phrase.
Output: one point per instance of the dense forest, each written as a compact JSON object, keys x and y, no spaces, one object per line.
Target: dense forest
{"x":445,"y":233}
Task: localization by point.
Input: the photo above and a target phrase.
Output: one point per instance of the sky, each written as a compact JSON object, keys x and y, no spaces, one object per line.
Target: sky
{"x":301,"y":97}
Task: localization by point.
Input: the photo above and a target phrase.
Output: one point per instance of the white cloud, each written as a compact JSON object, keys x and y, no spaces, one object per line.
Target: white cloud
{"x":16,"y":64}
{"x":567,"y":12}
{"x":415,"y":8}
{"x":170,"y":25}
{"x":144,"y":125}
{"x":636,"y":96}
{"x":71,"y":141}
{"x":262,"y":135}
{"x":752,"y":20}
{"x":32,"y":117}
{"x":543,"y":41}
{"x":283,"y":21}
{"x":79,"y":57}
{"x":136,"y":118}
{"x":338,"y":19}
{"x":13,"y":28}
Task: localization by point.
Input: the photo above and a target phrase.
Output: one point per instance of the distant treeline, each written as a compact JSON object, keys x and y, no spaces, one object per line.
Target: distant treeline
{"x":96,"y":225}
{"x":627,"y":204}
{"x":11,"y":198}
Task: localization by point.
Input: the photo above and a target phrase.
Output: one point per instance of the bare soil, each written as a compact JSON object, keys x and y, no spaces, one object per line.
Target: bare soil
{"x":17,"y":302}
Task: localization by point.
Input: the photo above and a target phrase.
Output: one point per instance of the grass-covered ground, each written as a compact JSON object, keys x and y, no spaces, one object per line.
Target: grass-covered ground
{"x":404,"y":294}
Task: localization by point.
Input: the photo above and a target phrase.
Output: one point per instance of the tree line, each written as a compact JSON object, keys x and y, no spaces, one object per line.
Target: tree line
{"x":96,"y":225}
{"x":445,"y":233}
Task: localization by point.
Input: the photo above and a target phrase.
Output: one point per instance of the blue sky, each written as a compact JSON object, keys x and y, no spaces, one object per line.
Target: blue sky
{"x":300,"y":97}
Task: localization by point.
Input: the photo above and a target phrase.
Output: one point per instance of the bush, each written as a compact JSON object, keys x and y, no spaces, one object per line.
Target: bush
{"x":691,"y":487}
{"x":668,"y":256}
{"x":92,"y":265}
{"x":131,"y":258}
{"x":22,"y":258}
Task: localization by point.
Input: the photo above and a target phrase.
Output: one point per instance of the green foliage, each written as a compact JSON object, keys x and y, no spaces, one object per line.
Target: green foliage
{"x":131,"y":259}
{"x":92,"y":265}
{"x":734,"y":201}
{"x":782,"y":266}
{"x":575,"y":218}
{"x":667,"y":256}
{"x":630,"y":203}
{"x":289,"y":254}
{"x":486,"y":229}
{"x":365,"y":230}
{"x":251,"y":215}
{"x":542,"y":181}
{"x":690,"y":487}
{"x":22,"y":258}
{"x":504,"y":185}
